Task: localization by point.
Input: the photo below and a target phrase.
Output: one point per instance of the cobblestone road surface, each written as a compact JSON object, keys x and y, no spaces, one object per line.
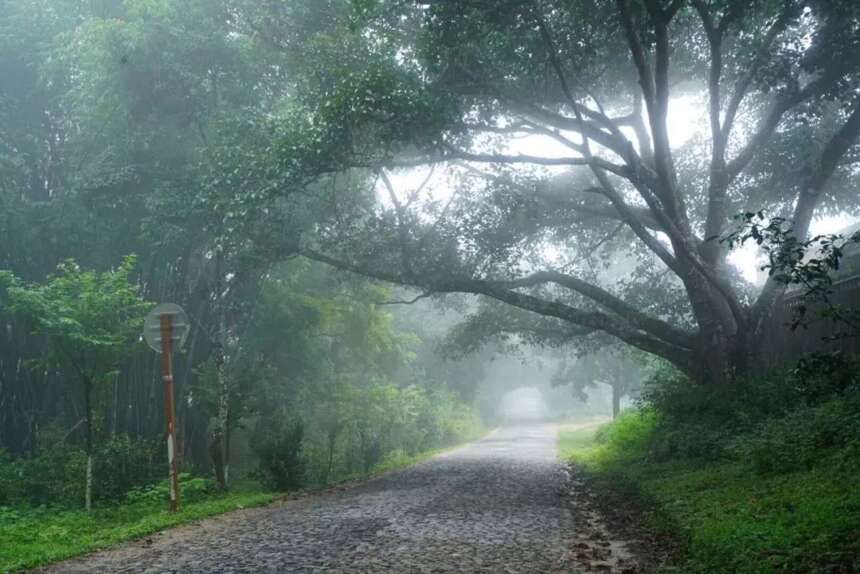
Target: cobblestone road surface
{"x":495,"y":505}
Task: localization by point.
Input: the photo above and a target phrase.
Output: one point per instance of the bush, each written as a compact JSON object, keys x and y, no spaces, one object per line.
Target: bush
{"x":461,"y":423}
{"x":10,"y":481}
{"x":703,"y":421}
{"x":191,"y":489}
{"x":56,"y":476}
{"x":282,"y":466}
{"x":626,"y":439}
{"x":822,"y":376}
{"x":124,"y":463}
{"x":780,"y":423}
{"x":803,"y":439}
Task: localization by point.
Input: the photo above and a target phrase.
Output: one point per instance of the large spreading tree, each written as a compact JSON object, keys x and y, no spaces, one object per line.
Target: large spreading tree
{"x":471,"y":94}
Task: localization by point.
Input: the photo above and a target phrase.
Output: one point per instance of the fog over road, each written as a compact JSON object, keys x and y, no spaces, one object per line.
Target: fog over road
{"x":495,"y":505}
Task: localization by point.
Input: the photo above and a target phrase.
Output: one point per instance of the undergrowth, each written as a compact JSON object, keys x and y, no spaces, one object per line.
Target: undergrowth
{"x":760,"y":477}
{"x":35,"y":535}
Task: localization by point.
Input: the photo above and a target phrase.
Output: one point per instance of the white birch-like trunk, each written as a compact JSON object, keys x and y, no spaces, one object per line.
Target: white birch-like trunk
{"x":223,"y":417}
{"x":88,"y":493}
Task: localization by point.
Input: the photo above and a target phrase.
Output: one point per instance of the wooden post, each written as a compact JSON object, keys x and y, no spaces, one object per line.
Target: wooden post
{"x":169,"y":406}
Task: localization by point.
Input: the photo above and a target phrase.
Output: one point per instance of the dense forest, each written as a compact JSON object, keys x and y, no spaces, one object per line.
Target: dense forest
{"x":127,"y":128}
{"x":386,"y":218}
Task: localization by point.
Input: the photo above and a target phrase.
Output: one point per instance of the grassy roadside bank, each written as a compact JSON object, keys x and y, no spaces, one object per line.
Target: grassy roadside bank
{"x":727,"y":516}
{"x":38,"y":536}
{"x":43,"y":535}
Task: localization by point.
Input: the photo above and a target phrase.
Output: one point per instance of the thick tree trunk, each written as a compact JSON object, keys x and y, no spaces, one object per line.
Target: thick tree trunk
{"x":724,"y":358}
{"x":715,"y":357}
{"x":718,"y":331}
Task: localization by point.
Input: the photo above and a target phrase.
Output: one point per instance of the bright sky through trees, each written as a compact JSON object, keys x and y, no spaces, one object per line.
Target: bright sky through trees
{"x":687,"y":119}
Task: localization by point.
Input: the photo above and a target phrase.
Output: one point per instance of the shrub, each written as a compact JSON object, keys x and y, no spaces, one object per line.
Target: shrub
{"x":803,"y":439}
{"x":784,"y":497}
{"x":57,"y":473}
{"x":191,"y":489}
{"x":627,"y":438}
{"x":53,"y":477}
{"x":282,"y":466}
{"x":461,"y":423}
{"x":124,"y":463}
{"x":779,"y":423}
{"x":10,"y":482}
{"x":703,"y":421}
{"x":822,"y":376}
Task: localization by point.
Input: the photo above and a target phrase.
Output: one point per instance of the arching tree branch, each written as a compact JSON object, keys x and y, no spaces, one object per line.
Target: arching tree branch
{"x":594,"y":320}
{"x":641,"y":320}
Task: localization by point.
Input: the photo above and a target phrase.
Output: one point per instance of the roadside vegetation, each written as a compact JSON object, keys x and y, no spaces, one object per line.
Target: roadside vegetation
{"x":753,"y":478}
{"x":36,"y":535}
{"x":323,"y":386}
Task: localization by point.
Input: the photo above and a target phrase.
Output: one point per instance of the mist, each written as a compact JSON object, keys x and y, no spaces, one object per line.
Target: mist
{"x":521,"y":405}
{"x":456,"y":284}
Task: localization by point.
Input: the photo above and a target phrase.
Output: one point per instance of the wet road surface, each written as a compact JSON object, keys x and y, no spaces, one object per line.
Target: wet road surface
{"x":495,"y":506}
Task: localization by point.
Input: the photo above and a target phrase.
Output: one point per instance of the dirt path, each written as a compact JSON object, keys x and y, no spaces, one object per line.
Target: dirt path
{"x":496,"y":505}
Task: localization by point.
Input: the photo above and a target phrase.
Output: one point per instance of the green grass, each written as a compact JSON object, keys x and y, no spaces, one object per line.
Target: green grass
{"x":39,"y":536}
{"x":399,"y":460}
{"x":576,"y":443}
{"x":729,"y":518}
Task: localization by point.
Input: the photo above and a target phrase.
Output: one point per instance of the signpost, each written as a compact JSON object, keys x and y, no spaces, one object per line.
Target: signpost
{"x":164,"y":325}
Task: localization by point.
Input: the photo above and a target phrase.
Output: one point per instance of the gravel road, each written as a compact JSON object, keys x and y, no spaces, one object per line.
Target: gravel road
{"x":495,"y":505}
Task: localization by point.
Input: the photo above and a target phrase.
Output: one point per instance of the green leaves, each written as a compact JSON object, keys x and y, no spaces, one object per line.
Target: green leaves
{"x":89,"y":318}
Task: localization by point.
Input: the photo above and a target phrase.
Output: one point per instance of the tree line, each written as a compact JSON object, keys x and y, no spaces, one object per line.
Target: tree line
{"x":135,"y":139}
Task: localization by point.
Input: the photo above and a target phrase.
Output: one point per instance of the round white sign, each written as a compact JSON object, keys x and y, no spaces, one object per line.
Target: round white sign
{"x":152,"y":326}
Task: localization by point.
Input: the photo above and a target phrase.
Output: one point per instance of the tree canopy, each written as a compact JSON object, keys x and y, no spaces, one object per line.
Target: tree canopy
{"x":549,"y":127}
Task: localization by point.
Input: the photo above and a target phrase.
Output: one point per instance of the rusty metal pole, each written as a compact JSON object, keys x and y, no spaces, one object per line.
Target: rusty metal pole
{"x":169,"y":406}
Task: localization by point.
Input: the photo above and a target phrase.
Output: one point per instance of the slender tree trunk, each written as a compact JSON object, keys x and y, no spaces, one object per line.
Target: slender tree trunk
{"x":226,"y":449}
{"x":224,"y":419}
{"x":220,"y":372}
{"x":220,"y":447}
{"x":217,"y":463}
{"x":332,"y":439}
{"x":88,"y":495}
{"x":616,"y":400}
{"x":115,"y":404}
{"x":88,"y":492}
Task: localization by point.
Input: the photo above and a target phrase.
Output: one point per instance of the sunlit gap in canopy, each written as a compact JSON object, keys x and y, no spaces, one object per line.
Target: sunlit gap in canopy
{"x":687,"y":119}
